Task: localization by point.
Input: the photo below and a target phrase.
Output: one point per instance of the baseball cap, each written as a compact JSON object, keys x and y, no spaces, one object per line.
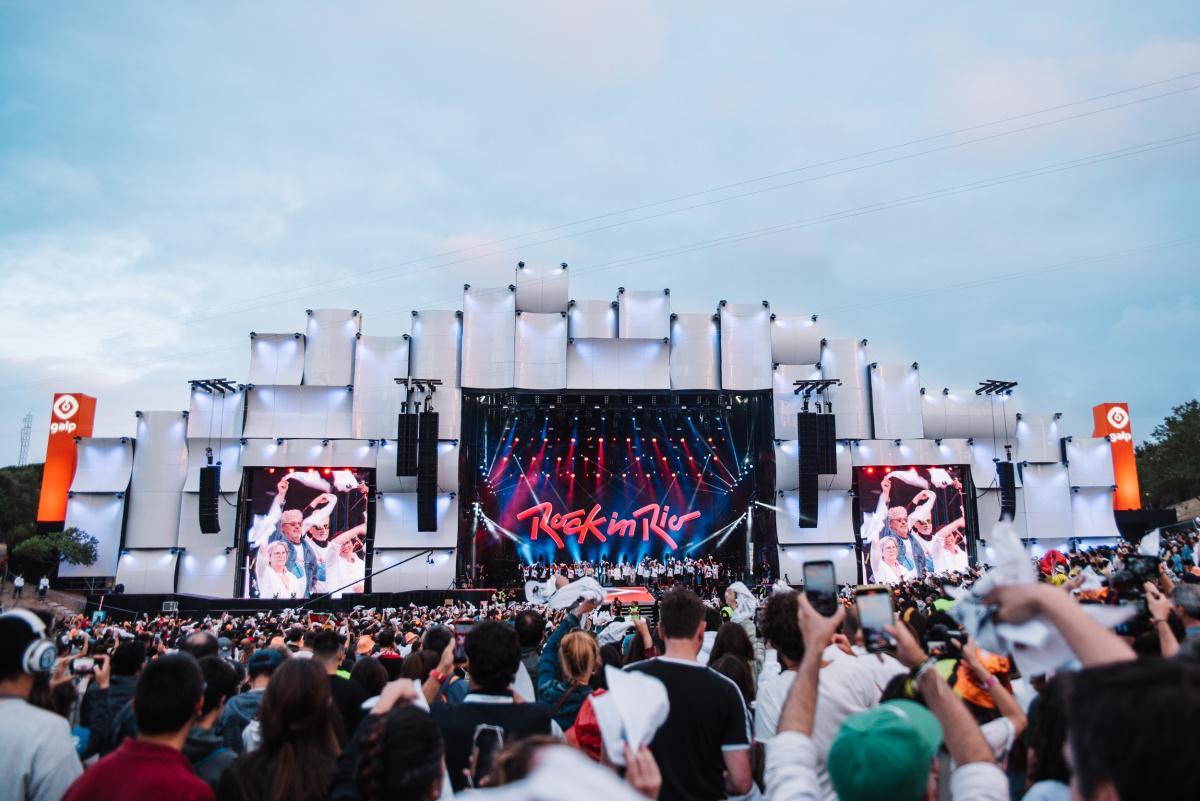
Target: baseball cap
{"x":264,"y":660}
{"x":899,"y":736}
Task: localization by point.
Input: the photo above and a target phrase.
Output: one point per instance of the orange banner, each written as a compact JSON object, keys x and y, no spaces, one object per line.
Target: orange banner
{"x":71,"y":415}
{"x":1112,"y":420}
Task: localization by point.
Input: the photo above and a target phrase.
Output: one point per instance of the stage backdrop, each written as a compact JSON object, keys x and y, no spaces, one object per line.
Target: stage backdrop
{"x":617,"y":477}
{"x":914,"y":520}
{"x":306,"y":531}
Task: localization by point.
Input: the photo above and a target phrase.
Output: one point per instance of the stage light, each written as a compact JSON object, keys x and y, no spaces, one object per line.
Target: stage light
{"x":654,"y":439}
{"x":271,"y":470}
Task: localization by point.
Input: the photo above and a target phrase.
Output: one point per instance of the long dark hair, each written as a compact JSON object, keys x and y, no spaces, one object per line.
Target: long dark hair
{"x":299,"y":750}
{"x":402,"y":756}
{"x":732,"y":639}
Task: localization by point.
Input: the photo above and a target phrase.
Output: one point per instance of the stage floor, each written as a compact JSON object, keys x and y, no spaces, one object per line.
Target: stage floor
{"x":629,"y":595}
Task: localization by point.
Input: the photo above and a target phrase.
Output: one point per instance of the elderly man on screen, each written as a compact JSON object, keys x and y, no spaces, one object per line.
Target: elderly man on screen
{"x":284,"y":526}
{"x":892,"y":522}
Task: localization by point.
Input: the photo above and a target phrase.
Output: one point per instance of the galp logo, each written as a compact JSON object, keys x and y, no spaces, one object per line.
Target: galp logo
{"x":1118,"y":417}
{"x":64,"y":409}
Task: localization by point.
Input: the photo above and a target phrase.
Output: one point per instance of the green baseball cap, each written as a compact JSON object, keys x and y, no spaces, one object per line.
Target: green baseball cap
{"x":884,"y":753}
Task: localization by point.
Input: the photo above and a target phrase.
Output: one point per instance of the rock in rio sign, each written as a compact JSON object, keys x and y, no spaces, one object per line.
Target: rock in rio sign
{"x":649,"y":519}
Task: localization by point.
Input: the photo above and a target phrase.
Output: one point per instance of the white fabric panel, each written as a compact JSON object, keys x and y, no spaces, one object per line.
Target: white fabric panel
{"x":150,"y":572}
{"x":745,"y":346}
{"x":338,"y":453}
{"x":541,"y":351}
{"x":276,"y":359}
{"x":1047,"y":500}
{"x":542,"y":289}
{"x":228,"y":452}
{"x":592,"y":319}
{"x":100,"y":515}
{"x":793,"y":557}
{"x":834,"y":521}
{"x":216,"y":415}
{"x":378,"y":362}
{"x":787,"y":465}
{"x":887,"y":453}
{"x":207,"y":572}
{"x":1038,"y":438}
{"x":189,"y":522}
{"x":435,"y":347}
{"x":160,"y":464}
{"x":625,"y":364}
{"x":896,"y":401}
{"x":951,"y":451}
{"x":396,"y":522}
{"x":846,"y":360}
{"x":329,"y":347}
{"x":489,"y":318}
{"x":386,"y":479}
{"x":984,"y":454}
{"x":695,"y":352}
{"x":448,"y":404}
{"x":1092,"y":513}
{"x":447,"y":476}
{"x":264,"y":453}
{"x":1089,"y":462}
{"x":787,"y":404}
{"x":963,"y":414}
{"x":843,"y":479}
{"x":644,"y":314}
{"x":102,"y":464}
{"x":416,"y":574}
{"x":795,"y":340}
{"x":988,"y":511}
{"x":301,"y":412}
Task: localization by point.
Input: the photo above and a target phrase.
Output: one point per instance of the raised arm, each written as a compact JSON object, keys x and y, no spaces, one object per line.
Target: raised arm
{"x":265,"y":527}
{"x":1159,"y":606}
{"x":1091,"y":643}
{"x":1006,"y":705}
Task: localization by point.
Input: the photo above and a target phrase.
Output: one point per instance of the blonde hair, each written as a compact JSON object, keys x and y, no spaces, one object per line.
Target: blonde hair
{"x":579,"y":655}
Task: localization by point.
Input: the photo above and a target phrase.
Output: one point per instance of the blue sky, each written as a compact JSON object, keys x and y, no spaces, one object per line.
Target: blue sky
{"x":175,"y":175}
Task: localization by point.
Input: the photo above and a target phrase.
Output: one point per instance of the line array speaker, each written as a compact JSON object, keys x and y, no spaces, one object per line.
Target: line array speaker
{"x":406,"y":445}
{"x":210,"y":489}
{"x":826,"y":445}
{"x":808,"y":447}
{"x":1006,"y":472}
{"x":427,"y":466}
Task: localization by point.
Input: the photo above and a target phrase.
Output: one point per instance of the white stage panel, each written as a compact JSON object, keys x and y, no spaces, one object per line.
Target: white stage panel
{"x":207,"y":572}
{"x":787,"y":403}
{"x":834,"y":521}
{"x":386,"y":479}
{"x":189,"y":522}
{"x":435,"y":347}
{"x":843,"y":479}
{"x":337,"y":453}
{"x":644,"y":314}
{"x":896,"y":401}
{"x":542,"y":288}
{"x":160,"y":464}
{"x":1047,"y":501}
{"x":300,"y":412}
{"x":227,"y":452}
{"x":329,"y":347}
{"x":1092,"y":513}
{"x":745,"y":346}
{"x":1038,"y":438}
{"x":963,"y":414}
{"x":625,"y":364}
{"x":265,"y":453}
{"x":592,"y":319}
{"x":416,"y":574}
{"x":276,"y":359}
{"x":147,"y":572}
{"x":102,"y":464}
{"x":988,"y":510}
{"x":216,"y":415}
{"x":378,"y":362}
{"x":488,"y":332}
{"x":795,"y":339}
{"x":846,"y":360}
{"x":787,"y":465}
{"x":793,"y":557}
{"x":1089,"y":462}
{"x":99,"y":514}
{"x":695,"y":352}
{"x":447,"y":476}
{"x":396,"y":522}
{"x":448,"y":404}
{"x":541,"y":351}
{"x":984,"y":453}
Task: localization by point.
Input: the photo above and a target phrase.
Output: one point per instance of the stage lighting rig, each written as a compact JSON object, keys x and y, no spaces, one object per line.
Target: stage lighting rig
{"x":994,"y":387}
{"x":218,"y":385}
{"x":425,"y":386}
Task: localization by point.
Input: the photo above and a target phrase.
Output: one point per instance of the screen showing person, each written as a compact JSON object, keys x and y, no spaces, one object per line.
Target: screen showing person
{"x":913,"y":521}
{"x":307,"y":532}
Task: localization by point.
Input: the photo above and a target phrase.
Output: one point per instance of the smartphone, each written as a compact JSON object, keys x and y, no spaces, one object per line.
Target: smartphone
{"x":83,"y":666}
{"x":820,"y":587}
{"x":461,"y":628}
{"x":488,"y":740}
{"x":874,"y":604}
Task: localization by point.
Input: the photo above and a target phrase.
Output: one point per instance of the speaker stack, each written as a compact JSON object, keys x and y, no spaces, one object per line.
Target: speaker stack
{"x":1006,"y":472}
{"x":210,"y":488}
{"x":816,"y":436}
{"x":427,"y":467}
{"x":406,"y":445}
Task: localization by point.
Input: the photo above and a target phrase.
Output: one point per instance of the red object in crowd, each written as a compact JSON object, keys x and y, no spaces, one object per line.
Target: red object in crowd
{"x":1053,"y":559}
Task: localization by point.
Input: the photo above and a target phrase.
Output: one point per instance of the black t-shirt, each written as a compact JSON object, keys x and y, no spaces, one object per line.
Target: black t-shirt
{"x":707,"y":718}
{"x":348,"y":697}
{"x":458,"y":724}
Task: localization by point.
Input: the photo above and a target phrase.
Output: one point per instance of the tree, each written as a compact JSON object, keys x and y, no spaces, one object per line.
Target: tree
{"x":1169,"y":462}
{"x":72,"y":545}
{"x":20,"y":488}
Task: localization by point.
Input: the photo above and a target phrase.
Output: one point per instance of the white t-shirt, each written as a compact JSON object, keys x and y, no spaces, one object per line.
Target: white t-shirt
{"x":37,"y":753}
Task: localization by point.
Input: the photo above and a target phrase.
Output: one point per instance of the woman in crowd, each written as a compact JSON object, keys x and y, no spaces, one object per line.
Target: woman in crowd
{"x":296,"y":758}
{"x":370,"y":674}
{"x":578,"y":660}
{"x":276,"y":581}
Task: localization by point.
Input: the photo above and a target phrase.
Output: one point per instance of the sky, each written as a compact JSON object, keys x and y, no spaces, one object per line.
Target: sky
{"x":992,"y":192}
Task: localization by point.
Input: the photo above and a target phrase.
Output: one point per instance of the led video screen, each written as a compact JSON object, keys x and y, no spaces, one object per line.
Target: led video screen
{"x":306,"y":531}
{"x":913,"y":521}
{"x":601,"y":481}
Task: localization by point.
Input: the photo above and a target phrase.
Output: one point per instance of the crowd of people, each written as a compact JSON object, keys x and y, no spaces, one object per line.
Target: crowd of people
{"x":745,"y":695}
{"x":702,"y":574}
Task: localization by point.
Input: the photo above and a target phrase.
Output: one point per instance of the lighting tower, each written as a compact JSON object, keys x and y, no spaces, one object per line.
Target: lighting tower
{"x":26,"y":430}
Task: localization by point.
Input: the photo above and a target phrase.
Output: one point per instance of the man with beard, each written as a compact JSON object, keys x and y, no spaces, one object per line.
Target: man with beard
{"x":301,"y":561}
{"x":892,"y":521}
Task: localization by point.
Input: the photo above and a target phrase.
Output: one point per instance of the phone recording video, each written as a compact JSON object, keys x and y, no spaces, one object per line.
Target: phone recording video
{"x":83,"y":666}
{"x":874,"y":604}
{"x":820,"y":586}
{"x":461,"y":629}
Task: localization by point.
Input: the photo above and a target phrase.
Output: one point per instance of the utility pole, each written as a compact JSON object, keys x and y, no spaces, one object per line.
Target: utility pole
{"x":26,"y":431}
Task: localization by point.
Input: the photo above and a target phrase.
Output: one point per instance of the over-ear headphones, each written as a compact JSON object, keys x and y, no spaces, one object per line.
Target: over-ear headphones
{"x":39,"y":655}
